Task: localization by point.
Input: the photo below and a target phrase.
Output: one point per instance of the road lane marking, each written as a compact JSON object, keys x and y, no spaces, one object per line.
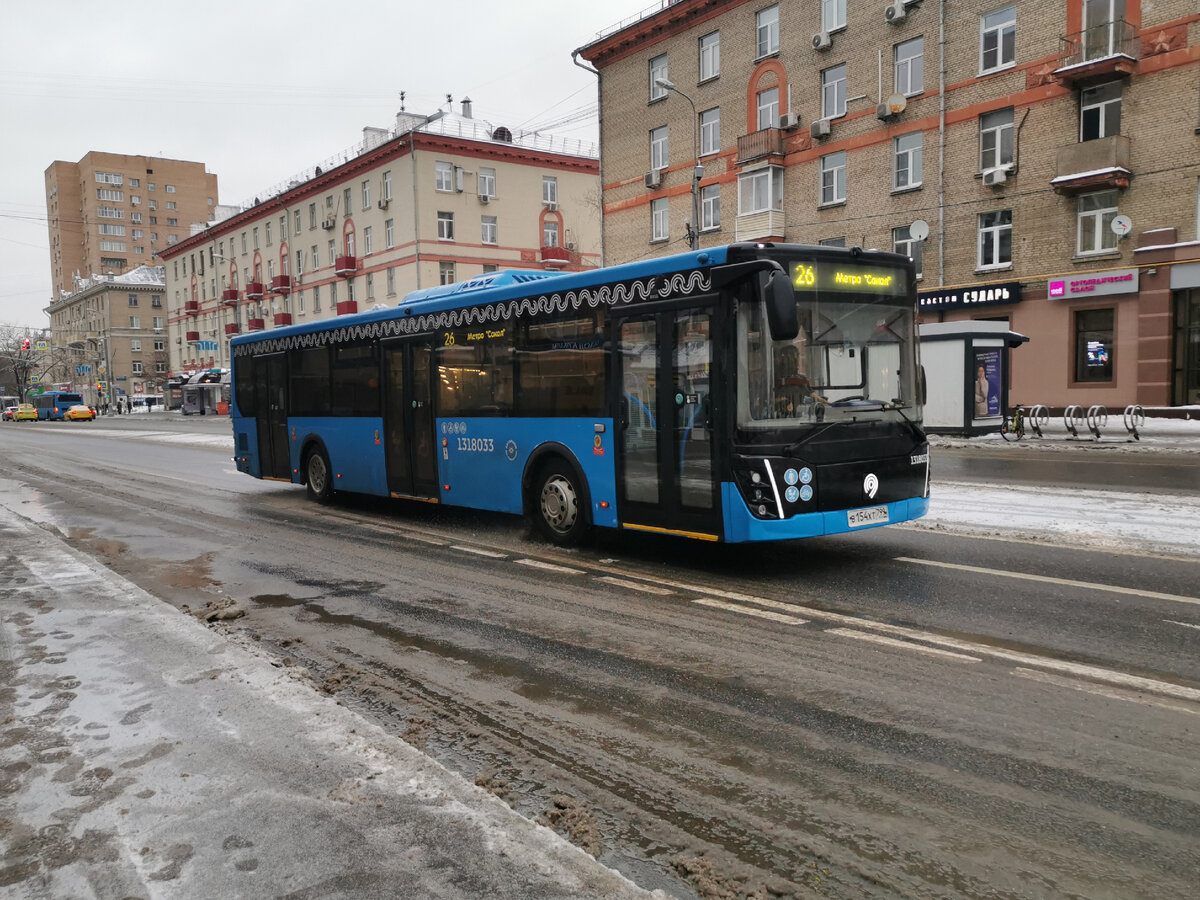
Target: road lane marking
{"x":1184,"y":624}
{"x":492,"y":554}
{"x":750,"y":611}
{"x":549,"y":567}
{"x":904,"y":645}
{"x":1111,"y":693}
{"x":1047,"y":579}
{"x":635,"y":585}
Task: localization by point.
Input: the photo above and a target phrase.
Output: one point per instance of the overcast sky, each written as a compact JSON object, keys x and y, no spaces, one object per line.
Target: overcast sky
{"x":258,"y":91}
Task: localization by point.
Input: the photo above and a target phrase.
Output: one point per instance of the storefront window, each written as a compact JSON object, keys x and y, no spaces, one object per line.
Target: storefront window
{"x":1094,"y":348}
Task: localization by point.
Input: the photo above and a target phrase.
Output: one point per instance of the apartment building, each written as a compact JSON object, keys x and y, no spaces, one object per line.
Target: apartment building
{"x":109,"y":332}
{"x":433,"y":201}
{"x":1039,"y":160}
{"x":110,"y":212}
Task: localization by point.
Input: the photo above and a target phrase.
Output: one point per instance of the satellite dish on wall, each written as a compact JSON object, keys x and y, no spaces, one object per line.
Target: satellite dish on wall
{"x":896,"y":104}
{"x":1121,"y":225}
{"x":919,"y":230}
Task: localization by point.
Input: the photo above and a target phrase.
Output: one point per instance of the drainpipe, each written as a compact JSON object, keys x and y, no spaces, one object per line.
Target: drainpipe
{"x":941,"y":142}
{"x":600,"y":107}
{"x":412,"y":153}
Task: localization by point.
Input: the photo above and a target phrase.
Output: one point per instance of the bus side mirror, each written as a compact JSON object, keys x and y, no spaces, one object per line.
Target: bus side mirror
{"x":922,"y":388}
{"x":782,"y":318}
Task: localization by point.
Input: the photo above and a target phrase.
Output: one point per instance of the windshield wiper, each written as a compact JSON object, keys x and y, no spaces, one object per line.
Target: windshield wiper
{"x":900,"y":407}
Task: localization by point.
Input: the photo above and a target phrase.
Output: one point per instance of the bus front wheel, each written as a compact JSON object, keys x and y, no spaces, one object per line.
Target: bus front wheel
{"x":558,"y":504}
{"x":317,"y":476}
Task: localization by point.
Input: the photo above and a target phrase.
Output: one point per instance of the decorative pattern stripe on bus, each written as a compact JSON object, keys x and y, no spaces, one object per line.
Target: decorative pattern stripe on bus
{"x":679,"y":284}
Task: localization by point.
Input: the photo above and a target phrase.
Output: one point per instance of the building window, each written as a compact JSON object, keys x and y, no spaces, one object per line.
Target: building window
{"x":347,"y":194}
{"x":332,"y":252}
{"x":996,"y":139}
{"x":443,"y":176}
{"x":710,"y":131}
{"x":387,"y":185}
{"x":157,"y":325}
{"x":833,"y":14}
{"x":833,"y":178}
{"x":997,"y":40}
{"x":658,"y":72}
{"x":907,"y":151}
{"x":135,"y":217}
{"x":389,"y":234}
{"x":299,"y":263}
{"x":170,"y":188}
{"x":995,"y":239}
{"x":135,"y":182}
{"x":368,"y":239}
{"x":834,"y":241}
{"x":710,"y":207}
{"x":1093,"y":222}
{"x":550,"y":189}
{"x":445,"y":225}
{"x":768,"y":108}
{"x":108,"y":178}
{"x":906,"y":245}
{"x":133,"y":300}
{"x":659,"y":225}
{"x":159,"y":344}
{"x":315,"y":258}
{"x":296,"y":222}
{"x":135,"y":322}
{"x":366,"y":194}
{"x":136,"y":367}
{"x":135,"y":345}
{"x":658,"y":148}
{"x":171,"y":204}
{"x":487,"y":182}
{"x":266,"y":225}
{"x":1100,"y":111}
{"x":487,"y":230}
{"x":767,"y":29}
{"x":160,"y":367}
{"x":710,"y":56}
{"x":910,"y":66}
{"x":316,"y":298}
{"x":549,"y":233}
{"x":370,"y":285}
{"x":446,"y":272}
{"x":312,"y":215}
{"x":391,"y":281}
{"x":760,"y":190}
{"x":833,"y":92}
{"x":1094,"y":349}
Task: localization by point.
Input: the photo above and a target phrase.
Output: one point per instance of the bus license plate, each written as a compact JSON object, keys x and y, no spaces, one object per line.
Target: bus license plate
{"x":873,"y":515}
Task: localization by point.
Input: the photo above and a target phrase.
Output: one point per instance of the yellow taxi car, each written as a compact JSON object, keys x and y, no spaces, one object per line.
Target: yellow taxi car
{"x":25,"y":413}
{"x":79,"y":413}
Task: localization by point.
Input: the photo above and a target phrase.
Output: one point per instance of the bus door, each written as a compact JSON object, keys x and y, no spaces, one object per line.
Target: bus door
{"x":274,"y":455}
{"x":408,"y":419}
{"x":666,"y":469}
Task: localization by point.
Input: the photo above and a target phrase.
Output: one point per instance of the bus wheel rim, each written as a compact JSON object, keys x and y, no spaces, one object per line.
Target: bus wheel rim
{"x":560,"y":505}
{"x":316,"y":472}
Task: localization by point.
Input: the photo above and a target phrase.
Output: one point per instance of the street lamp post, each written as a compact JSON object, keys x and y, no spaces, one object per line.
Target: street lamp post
{"x":697,"y":168}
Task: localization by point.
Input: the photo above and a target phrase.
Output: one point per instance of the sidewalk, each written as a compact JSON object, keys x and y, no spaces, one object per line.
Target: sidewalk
{"x":141,"y":755}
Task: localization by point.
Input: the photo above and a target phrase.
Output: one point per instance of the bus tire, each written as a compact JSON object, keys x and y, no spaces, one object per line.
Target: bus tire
{"x":559,"y":503}
{"x":318,"y":476}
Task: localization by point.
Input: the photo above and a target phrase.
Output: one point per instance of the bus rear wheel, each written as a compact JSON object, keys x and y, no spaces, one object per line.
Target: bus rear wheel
{"x":317,"y":476}
{"x":558,"y":508}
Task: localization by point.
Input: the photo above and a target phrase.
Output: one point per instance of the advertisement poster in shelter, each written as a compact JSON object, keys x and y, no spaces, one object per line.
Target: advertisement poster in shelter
{"x":987,"y":376}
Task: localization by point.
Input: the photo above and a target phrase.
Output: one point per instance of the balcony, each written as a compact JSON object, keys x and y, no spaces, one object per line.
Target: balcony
{"x":281,"y":284}
{"x":231,"y":329}
{"x":555,"y":256}
{"x":254,"y":290}
{"x":1100,"y":53}
{"x":282,"y":319}
{"x":347,"y":307}
{"x":230,"y":296}
{"x":1092,"y":166}
{"x":255,"y":324}
{"x":191,"y":307}
{"x":192,"y":336}
{"x":345,"y":265}
{"x":756,"y":145}
{"x":766,"y":225}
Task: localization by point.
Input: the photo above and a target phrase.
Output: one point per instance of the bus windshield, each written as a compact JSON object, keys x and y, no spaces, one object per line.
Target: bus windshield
{"x":853,"y":359}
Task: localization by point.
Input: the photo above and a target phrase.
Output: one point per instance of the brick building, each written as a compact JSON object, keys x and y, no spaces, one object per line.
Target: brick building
{"x":1040,"y":161}
{"x":435,"y":200}
{"x":110,"y":212}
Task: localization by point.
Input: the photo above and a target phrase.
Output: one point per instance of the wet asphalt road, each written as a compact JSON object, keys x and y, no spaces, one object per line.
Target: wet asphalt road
{"x":844,"y":716}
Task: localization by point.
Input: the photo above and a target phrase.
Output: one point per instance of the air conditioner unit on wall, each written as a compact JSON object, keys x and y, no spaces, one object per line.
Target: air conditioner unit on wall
{"x":993,"y":177}
{"x":883,"y":111}
{"x":383,"y":204}
{"x":819,"y":128}
{"x":822,"y":40}
{"x":895,"y":13}
{"x":485,"y":199}
{"x":654,"y":178}
{"x":788,"y":121}
{"x":328,"y":223}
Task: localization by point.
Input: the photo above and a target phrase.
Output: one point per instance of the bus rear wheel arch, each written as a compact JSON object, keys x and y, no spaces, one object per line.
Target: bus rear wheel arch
{"x":558,"y":502}
{"x":318,"y":474}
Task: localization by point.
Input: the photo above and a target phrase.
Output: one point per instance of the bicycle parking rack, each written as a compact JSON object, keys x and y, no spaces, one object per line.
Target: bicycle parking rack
{"x":1135,"y":418}
{"x":1037,"y":418}
{"x":1073,"y":419}
{"x":1097,"y":418}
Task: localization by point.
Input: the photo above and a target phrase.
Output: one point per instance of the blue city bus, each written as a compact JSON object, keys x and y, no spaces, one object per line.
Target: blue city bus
{"x":52,"y":404}
{"x":749,"y":392}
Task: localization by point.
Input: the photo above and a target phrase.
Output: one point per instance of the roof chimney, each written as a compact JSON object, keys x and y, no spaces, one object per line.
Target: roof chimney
{"x":466,"y":107}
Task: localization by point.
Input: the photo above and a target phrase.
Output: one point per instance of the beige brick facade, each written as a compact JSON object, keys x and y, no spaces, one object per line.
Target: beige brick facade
{"x":1151,"y":160}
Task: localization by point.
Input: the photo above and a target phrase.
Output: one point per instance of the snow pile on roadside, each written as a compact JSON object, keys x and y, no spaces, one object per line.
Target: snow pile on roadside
{"x":1155,"y":436}
{"x":1149,"y":523}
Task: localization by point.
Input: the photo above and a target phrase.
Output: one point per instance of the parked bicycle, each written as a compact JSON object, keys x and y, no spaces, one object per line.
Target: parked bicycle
{"x":1013,"y":426}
